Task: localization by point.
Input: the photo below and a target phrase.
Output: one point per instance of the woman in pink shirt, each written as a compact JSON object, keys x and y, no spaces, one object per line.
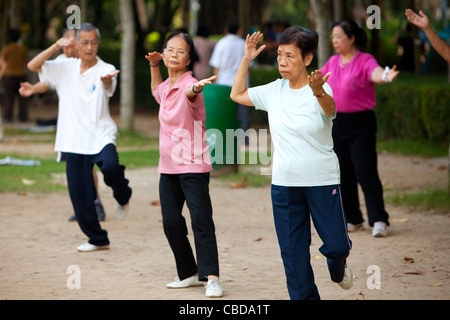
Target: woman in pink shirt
{"x":185,"y":164}
{"x":353,"y":77}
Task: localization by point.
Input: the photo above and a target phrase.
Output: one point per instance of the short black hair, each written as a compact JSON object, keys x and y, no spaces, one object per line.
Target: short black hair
{"x":14,"y":35}
{"x":188,"y":39}
{"x":351,"y":28}
{"x":232,"y":26}
{"x":305,"y":39}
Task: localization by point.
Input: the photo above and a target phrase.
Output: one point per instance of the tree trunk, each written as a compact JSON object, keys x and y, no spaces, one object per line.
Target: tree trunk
{"x":338,"y":10}
{"x":127,"y":58}
{"x":322,"y":16}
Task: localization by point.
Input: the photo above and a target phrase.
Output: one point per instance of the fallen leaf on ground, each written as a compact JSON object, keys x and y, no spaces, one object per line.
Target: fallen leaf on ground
{"x":417,"y":273}
{"x":237,"y":185}
{"x":436,"y":285}
{"x":408,"y":260}
{"x":155,"y":203}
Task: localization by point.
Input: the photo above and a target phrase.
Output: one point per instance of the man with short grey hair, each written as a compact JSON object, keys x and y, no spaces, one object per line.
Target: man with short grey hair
{"x":86,"y":133}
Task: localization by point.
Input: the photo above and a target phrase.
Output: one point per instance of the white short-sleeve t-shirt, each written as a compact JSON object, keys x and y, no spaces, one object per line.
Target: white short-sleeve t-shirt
{"x":301,"y":134}
{"x":84,"y":123}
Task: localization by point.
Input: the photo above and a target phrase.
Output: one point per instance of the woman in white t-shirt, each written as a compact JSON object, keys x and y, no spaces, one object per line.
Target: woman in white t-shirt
{"x":305,"y":178}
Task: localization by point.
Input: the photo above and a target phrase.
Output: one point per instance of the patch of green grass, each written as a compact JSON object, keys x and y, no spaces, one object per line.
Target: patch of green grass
{"x":249,"y":179}
{"x":34,"y":178}
{"x":134,"y":139}
{"x":40,"y":178}
{"x":133,"y":159}
{"x":414,"y":147}
{"x":437,"y":200}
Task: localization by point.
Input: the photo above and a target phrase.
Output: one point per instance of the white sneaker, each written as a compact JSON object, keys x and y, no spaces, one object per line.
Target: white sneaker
{"x":213,"y":289}
{"x":379,"y":229}
{"x":347,"y":282}
{"x":354,"y":227}
{"x":87,"y":247}
{"x":121,"y":211}
{"x":188,"y":282}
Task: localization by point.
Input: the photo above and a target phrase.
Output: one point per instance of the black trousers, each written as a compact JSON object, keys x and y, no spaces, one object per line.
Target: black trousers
{"x":354,"y":136}
{"x":83,"y":193}
{"x":192,"y":188}
{"x":11,"y":85}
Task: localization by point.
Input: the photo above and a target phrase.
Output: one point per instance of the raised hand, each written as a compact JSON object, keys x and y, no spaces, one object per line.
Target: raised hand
{"x":154,"y":57}
{"x":107,"y":80}
{"x":316,"y":81}
{"x":420,"y":21}
{"x":251,"y":46}
{"x":65,"y":42}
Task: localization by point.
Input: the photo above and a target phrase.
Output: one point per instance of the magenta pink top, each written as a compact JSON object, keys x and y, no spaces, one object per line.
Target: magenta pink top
{"x":182,"y":135}
{"x":353,"y":90}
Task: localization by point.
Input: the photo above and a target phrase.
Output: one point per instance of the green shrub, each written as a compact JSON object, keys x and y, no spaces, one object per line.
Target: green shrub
{"x":417,"y":109}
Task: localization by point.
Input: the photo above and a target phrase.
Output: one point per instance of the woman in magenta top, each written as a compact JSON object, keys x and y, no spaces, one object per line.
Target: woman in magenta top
{"x":353,"y":77}
{"x":185,"y":164}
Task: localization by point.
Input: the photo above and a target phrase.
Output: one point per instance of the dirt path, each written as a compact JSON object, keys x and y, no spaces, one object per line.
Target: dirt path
{"x":39,"y":245}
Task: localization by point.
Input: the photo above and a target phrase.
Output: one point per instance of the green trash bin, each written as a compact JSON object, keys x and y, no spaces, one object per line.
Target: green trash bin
{"x":221,"y":115}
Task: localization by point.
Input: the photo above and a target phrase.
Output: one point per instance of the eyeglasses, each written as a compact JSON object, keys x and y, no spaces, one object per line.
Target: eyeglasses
{"x":85,"y":43}
{"x":171,"y":51}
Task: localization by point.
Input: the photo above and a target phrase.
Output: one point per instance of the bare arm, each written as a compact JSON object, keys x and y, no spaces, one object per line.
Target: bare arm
{"x":316,"y":82}
{"x":155,"y":73}
{"x":423,"y":22}
{"x":193,"y":91}
{"x":377,"y":75}
{"x":239,"y":91}
{"x":27,"y":89}
{"x":38,"y":61}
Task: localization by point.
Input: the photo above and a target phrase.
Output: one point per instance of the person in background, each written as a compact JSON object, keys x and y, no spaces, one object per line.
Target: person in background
{"x":13,"y":61}
{"x":225,"y":60}
{"x":184,"y":167}
{"x":305,"y":174}
{"x":86,"y":133}
{"x":204,"y":49}
{"x":354,"y":74}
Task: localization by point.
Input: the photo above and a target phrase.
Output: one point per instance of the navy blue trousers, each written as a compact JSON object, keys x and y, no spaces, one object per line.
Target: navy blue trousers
{"x":82,"y":188}
{"x":192,"y":188}
{"x":292,"y":209}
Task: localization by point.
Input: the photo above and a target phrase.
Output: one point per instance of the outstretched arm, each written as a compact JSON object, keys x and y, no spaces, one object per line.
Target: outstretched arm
{"x":421,"y":20}
{"x":197,"y":88}
{"x":155,"y":73}
{"x":381,"y":75}
{"x":27,"y":89}
{"x":239,"y":91}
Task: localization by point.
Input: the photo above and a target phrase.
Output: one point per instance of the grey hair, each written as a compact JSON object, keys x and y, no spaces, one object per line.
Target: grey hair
{"x":86,"y":26}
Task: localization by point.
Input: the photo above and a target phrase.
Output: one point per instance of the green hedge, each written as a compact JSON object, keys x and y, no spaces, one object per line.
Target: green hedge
{"x":414,"y":108}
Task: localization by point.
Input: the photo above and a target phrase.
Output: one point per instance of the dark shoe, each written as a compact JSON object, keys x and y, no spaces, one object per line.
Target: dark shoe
{"x":72,"y":218}
{"x":100,"y":210}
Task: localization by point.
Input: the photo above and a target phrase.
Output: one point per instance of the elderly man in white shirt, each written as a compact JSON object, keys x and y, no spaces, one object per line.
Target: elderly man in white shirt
{"x":86,"y":132}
